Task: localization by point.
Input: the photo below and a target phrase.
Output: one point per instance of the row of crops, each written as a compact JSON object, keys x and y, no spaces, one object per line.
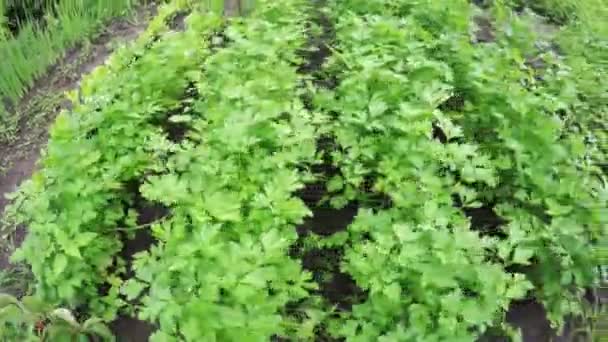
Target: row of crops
{"x":185,"y":186}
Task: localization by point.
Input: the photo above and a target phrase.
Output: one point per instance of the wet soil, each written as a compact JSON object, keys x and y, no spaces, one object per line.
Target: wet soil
{"x":326,"y":221}
{"x":129,"y":329}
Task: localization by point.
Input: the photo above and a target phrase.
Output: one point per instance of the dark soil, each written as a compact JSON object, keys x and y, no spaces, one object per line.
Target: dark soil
{"x":126,"y":328}
{"x":176,"y":132}
{"x":129,"y":329}
{"x":328,"y":221}
{"x":178,"y":21}
{"x":143,"y":238}
{"x":336,"y":287}
{"x":318,"y":45}
{"x":19,"y":157}
{"x":531,"y":318}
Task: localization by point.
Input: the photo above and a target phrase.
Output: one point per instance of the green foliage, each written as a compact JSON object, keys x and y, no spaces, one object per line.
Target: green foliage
{"x":407,"y":69}
{"x":28,"y":55}
{"x":425,"y":282}
{"x":105,"y":150}
{"x":565,"y":11}
{"x":30,"y":319}
{"x":218,"y":126}
{"x":230,"y":193}
{"x":542,"y":165}
{"x":580,"y":47}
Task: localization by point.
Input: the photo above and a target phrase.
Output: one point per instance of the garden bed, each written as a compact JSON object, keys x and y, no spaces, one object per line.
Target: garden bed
{"x":321,"y":170}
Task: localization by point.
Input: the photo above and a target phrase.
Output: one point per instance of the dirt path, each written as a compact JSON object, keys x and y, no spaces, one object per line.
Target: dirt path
{"x":46,"y":99}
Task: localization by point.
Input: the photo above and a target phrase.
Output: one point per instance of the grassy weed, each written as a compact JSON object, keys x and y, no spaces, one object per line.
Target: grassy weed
{"x":3,"y":21}
{"x":28,"y":54}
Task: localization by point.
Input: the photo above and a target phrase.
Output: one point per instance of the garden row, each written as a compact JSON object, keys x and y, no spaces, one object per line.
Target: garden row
{"x":447,"y":127}
{"x":135,"y":68}
{"x":189,"y":184}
